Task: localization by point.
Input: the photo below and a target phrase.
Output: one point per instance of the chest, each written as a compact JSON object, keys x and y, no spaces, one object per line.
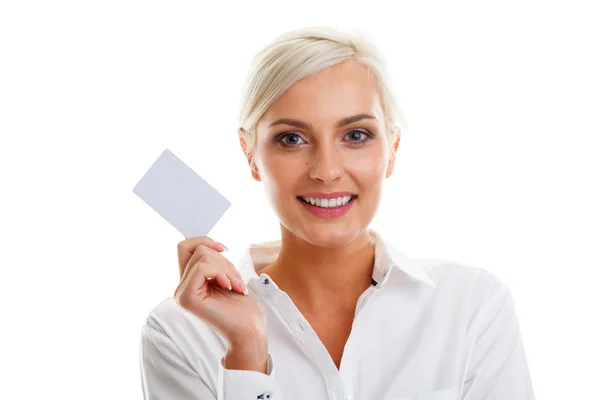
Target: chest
{"x":333,"y":331}
{"x":390,"y":348}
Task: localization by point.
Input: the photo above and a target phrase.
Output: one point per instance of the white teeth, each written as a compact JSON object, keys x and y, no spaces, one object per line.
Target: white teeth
{"x":327,"y":203}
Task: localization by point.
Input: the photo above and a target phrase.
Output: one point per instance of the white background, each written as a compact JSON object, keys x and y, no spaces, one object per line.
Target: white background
{"x":499,"y":170}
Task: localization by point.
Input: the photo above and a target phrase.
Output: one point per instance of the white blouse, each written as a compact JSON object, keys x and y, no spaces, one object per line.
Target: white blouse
{"x":424,"y":330}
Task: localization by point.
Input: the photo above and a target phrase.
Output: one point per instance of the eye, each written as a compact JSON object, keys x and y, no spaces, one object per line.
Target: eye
{"x":355,"y":135}
{"x":290,"y":140}
{"x":359,"y":137}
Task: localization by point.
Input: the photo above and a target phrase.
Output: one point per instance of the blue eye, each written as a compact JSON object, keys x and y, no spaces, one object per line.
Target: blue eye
{"x":359,"y":138}
{"x":355,"y":136}
{"x":290,"y":140}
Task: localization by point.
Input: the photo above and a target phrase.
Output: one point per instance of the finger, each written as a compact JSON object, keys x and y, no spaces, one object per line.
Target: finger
{"x":200,"y":276}
{"x":201,"y":253}
{"x":184,"y":282}
{"x":230,"y":279}
{"x":237,"y":283}
{"x":241,"y":285}
{"x":227,"y":279}
{"x":209,"y":254}
{"x":235,"y":277}
{"x":197,"y":276}
{"x":200,"y":256}
{"x":237,"y":273}
{"x":187,"y":247}
{"x":201,"y":272}
{"x":206,"y":255}
{"x":223,"y":280}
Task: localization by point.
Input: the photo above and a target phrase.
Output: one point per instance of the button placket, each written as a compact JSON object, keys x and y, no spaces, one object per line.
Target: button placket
{"x":306,"y":338}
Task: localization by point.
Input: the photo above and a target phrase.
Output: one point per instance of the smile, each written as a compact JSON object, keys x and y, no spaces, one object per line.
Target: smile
{"x":327,"y":203}
{"x":328,"y":207}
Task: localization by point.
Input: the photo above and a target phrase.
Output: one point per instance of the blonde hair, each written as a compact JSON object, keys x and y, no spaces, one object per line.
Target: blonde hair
{"x":298,"y":54}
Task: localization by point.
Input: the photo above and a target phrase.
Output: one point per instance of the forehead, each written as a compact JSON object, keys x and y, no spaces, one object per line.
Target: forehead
{"x":339,"y":91}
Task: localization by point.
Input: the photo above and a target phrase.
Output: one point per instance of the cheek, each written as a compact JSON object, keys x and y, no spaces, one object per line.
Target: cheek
{"x":369,"y":176}
{"x":368,"y":167}
{"x":279,"y":172}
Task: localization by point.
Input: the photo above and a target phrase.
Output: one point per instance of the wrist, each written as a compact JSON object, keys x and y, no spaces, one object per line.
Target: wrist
{"x":248,"y":349}
{"x":248,"y":357}
{"x":253,"y":338}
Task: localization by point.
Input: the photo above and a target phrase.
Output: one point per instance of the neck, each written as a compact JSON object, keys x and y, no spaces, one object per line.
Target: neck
{"x":316,"y":276}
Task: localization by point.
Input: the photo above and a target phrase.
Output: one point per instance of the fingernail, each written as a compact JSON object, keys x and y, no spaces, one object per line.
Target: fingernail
{"x":242,"y":284}
{"x":246,"y":291}
{"x":222,"y":246}
{"x":229,"y":283}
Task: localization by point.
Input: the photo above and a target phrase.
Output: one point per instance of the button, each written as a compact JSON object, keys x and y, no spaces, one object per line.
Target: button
{"x":266,"y":281}
{"x":299,"y":328}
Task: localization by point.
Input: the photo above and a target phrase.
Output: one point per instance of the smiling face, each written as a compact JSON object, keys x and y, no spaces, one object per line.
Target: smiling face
{"x":332,"y":143}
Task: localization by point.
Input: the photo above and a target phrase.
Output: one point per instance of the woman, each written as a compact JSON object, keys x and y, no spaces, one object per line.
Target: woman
{"x":332,"y":310}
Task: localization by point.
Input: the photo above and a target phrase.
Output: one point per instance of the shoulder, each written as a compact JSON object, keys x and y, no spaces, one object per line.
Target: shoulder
{"x":447,"y":273}
{"x":447,"y":276}
{"x":165,"y":315}
{"x":472,"y":289}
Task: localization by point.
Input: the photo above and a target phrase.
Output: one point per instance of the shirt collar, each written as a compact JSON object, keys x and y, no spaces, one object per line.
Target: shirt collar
{"x":387,"y":258}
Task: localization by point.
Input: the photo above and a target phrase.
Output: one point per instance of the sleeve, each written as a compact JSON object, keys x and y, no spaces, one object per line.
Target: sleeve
{"x":167,"y":375}
{"x":250,"y":385}
{"x":498,"y":367}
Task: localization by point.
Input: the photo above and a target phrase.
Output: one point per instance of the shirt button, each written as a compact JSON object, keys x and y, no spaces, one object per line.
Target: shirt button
{"x":299,"y":328}
{"x":266,"y":281}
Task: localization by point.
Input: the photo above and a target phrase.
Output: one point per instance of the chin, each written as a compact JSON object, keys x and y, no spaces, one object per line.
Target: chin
{"x":322,"y":232}
{"x":330,"y":234}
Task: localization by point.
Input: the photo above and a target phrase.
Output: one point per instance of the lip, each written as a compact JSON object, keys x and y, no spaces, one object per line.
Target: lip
{"x":327,"y":195}
{"x":328,"y":213}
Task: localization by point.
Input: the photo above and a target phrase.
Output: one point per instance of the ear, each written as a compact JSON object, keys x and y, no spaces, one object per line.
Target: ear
{"x":392,"y":162}
{"x":244,"y":144}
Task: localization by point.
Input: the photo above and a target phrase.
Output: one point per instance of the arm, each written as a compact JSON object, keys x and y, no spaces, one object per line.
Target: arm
{"x":167,"y":375}
{"x":498,"y":368}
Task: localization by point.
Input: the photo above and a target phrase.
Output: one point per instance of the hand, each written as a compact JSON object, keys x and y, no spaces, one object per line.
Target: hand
{"x":212,"y":289}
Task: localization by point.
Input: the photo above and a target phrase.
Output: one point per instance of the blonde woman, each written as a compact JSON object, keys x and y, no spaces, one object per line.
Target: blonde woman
{"x":332,"y":310}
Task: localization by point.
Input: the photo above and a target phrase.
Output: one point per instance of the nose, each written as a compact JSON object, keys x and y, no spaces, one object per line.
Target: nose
{"x":326,"y":165}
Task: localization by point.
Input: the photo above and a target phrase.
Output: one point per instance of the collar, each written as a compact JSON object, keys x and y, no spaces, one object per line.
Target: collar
{"x":388,"y":260}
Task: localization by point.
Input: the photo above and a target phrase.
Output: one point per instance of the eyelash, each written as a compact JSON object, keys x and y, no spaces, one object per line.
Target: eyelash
{"x":356,"y":144}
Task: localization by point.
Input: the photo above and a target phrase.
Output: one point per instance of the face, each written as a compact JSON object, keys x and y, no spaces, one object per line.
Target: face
{"x":322,"y":153}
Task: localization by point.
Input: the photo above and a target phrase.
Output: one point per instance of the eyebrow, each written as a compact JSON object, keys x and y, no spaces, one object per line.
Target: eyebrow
{"x":304,"y":125}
